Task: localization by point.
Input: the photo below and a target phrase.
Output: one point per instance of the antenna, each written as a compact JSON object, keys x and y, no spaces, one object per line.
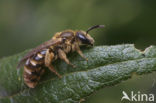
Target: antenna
{"x":94,"y":27}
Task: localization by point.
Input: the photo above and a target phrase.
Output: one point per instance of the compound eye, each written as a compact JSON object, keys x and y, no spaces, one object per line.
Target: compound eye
{"x":83,"y":39}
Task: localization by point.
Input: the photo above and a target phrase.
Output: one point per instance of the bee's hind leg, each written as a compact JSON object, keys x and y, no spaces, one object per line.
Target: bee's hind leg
{"x":48,"y":59}
{"x":62,"y":55}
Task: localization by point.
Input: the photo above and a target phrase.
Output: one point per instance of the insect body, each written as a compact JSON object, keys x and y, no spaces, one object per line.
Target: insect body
{"x":43,"y":55}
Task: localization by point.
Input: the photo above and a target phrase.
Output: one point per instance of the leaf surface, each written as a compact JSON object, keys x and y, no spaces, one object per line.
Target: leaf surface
{"x":106,"y":66}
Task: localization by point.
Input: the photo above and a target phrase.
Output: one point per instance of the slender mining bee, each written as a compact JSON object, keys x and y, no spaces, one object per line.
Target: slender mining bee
{"x":42,"y":56}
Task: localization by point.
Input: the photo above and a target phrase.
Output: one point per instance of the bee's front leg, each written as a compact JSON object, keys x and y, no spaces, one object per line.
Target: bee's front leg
{"x":62,"y":55}
{"x":48,"y":60}
{"x":77,"y":48}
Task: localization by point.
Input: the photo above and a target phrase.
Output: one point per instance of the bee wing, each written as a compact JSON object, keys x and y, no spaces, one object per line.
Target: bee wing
{"x":38,"y":49}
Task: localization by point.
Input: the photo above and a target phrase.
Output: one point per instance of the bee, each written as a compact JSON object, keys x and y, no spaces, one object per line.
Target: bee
{"x":57,"y":47}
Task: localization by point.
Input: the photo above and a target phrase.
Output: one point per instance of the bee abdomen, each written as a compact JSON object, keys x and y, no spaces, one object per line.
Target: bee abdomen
{"x":32,"y":79}
{"x":33,"y":70}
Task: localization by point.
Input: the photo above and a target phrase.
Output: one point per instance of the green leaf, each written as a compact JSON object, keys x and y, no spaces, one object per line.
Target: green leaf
{"x":107,"y":66}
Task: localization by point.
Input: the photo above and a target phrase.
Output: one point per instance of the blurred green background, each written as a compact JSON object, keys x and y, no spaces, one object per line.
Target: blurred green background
{"x":25,"y":24}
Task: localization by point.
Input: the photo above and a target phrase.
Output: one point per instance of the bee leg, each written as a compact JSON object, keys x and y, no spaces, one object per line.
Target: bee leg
{"x":54,"y":71}
{"x":80,"y":52}
{"x":48,"y":59}
{"x":62,"y":55}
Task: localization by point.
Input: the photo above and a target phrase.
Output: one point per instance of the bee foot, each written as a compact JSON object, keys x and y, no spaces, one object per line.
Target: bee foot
{"x":74,"y":66}
{"x":86,"y":59}
{"x":60,"y":76}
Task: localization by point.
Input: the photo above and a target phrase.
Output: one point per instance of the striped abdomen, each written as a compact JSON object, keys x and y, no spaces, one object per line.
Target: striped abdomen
{"x":33,"y":69}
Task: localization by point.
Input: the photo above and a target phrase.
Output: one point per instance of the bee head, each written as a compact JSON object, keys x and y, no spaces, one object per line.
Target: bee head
{"x":84,"y":38}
